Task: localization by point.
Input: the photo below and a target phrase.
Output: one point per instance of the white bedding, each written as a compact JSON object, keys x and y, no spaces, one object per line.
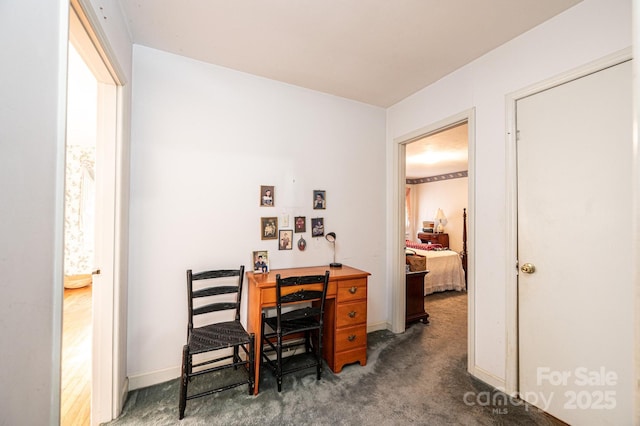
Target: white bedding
{"x":445,"y":271}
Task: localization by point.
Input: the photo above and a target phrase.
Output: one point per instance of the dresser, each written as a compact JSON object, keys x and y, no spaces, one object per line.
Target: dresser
{"x":434,"y":238}
{"x":345,"y":317}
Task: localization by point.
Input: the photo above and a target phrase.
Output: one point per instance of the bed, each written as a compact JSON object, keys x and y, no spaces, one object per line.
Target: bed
{"x":447,"y":268}
{"x":445,"y":271}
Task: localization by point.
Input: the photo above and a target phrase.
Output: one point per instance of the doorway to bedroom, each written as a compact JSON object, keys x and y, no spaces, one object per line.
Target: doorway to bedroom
{"x":437,"y":179}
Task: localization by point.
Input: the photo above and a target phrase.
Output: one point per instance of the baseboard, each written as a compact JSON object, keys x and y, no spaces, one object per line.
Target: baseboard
{"x":378,"y":326}
{"x":488,"y":378}
{"x":122,"y":398}
{"x":154,"y":377}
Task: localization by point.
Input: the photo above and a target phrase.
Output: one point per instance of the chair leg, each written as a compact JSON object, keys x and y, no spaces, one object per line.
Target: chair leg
{"x":319,"y":356}
{"x":184,"y":380}
{"x":236,"y":356}
{"x":252,"y":371}
{"x":307,"y":341}
{"x":279,"y":363}
{"x":261,"y":343}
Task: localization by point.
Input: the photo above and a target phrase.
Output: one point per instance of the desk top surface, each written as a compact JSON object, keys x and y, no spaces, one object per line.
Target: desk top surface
{"x":269,"y":279}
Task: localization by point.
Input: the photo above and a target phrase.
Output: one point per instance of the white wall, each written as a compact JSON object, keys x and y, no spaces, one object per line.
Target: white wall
{"x":449,"y":195}
{"x":32,"y":137}
{"x":204,"y":138}
{"x":31,"y":172}
{"x":586,"y":32}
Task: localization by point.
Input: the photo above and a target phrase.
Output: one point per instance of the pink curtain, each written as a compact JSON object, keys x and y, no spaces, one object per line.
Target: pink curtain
{"x":408,"y":222}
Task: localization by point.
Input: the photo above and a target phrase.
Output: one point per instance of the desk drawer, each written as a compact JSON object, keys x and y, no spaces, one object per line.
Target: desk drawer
{"x":269,"y":294}
{"x":352,"y":290}
{"x":350,"y":314}
{"x":351,"y":337}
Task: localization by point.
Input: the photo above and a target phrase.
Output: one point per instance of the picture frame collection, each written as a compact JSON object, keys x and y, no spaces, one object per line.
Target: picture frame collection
{"x":269,"y":229}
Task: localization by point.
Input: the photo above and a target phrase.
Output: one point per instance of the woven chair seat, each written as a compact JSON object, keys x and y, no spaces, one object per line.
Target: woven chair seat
{"x":217,"y":336}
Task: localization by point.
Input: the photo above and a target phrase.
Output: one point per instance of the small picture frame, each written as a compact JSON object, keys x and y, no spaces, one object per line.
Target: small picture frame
{"x":317,"y":227}
{"x":267,"y":196}
{"x":285,"y":239}
{"x":300,"y":224}
{"x":260,"y":261}
{"x":319,"y":199}
{"x":268,"y":228}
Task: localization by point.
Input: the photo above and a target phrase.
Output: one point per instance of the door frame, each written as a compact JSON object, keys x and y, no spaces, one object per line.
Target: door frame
{"x":512,"y":386}
{"x":398,"y":293}
{"x":108,"y":388}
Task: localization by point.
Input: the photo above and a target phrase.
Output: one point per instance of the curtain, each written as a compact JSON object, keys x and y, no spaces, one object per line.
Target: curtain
{"x":408,"y":214}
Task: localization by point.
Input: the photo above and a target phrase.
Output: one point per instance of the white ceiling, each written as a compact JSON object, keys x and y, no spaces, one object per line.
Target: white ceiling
{"x":437,"y":154}
{"x":373,"y":51}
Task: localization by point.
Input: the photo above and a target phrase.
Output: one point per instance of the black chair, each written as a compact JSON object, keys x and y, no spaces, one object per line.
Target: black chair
{"x":219,"y":290}
{"x":304,"y":319}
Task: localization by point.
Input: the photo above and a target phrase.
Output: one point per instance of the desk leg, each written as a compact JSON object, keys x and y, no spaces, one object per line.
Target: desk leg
{"x":254,"y":319}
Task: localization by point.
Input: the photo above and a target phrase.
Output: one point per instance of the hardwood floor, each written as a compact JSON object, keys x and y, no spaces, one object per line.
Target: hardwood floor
{"x":75,"y":406}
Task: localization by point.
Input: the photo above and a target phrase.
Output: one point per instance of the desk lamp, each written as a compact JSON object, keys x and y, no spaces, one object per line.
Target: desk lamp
{"x":331,"y":237}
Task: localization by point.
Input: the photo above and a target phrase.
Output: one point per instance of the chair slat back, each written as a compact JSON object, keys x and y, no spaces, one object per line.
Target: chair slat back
{"x":310,"y":288}
{"x":216,"y":285}
{"x":213,"y":307}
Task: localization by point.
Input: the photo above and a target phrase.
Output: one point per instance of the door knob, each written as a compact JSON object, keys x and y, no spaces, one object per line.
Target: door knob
{"x":528,"y":268}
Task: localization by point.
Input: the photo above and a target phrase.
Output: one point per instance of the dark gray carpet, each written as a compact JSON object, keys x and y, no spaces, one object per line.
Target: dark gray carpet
{"x":418,"y":377}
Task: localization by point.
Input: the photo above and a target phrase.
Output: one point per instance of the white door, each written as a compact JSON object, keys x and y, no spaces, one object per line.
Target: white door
{"x":102,"y":395}
{"x":575,"y":314}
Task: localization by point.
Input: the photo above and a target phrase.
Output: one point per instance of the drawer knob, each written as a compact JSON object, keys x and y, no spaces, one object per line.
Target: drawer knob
{"x":352,"y":314}
{"x":353,"y":290}
{"x":351,"y":337}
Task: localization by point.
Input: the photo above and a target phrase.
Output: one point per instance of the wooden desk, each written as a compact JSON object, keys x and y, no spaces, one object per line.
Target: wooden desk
{"x":345,"y":317}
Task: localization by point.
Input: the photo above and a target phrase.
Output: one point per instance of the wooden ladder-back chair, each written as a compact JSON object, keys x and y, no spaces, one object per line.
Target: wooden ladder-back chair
{"x":214,"y":292}
{"x":304,"y":318}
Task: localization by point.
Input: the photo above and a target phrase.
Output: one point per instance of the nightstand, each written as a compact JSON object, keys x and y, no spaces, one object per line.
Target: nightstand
{"x":415,"y":298}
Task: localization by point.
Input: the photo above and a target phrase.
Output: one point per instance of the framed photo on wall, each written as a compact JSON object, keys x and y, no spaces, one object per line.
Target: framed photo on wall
{"x":260,"y":261}
{"x":300,"y":224}
{"x":319,"y":199}
{"x":268,"y":228}
{"x":317,"y":227}
{"x":285,"y":238}
{"x":267,"y":196}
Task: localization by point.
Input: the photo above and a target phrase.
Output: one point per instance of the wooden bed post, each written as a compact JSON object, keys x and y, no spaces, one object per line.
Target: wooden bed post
{"x":464,"y":245}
